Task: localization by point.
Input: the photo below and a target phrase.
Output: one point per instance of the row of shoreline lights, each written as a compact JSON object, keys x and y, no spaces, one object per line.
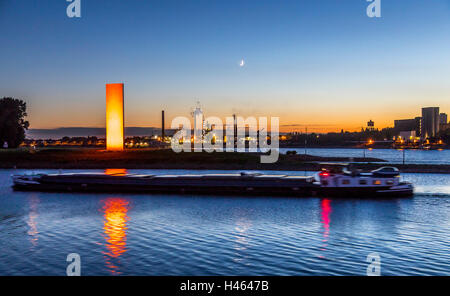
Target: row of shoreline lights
{"x":115,"y":117}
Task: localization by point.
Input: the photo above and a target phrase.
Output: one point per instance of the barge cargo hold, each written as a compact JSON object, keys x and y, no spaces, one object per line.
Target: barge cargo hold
{"x":257,"y":184}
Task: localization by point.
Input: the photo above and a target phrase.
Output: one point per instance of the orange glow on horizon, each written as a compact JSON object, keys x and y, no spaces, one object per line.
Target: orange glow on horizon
{"x":114,"y":116}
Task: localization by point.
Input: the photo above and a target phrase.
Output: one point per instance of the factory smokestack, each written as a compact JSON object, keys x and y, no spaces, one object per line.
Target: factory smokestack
{"x":235,"y":130}
{"x":163,"y":133}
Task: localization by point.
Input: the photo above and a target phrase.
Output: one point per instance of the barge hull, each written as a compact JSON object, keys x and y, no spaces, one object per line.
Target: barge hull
{"x":303,"y":191}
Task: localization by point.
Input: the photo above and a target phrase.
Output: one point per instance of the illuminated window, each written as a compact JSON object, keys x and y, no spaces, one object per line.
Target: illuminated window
{"x":376,"y":182}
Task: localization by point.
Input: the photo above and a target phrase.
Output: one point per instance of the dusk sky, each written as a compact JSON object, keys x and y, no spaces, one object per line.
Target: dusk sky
{"x":321,"y":63}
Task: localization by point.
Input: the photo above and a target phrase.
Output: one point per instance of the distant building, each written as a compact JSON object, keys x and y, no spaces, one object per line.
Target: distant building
{"x":408,"y":125}
{"x":430,"y":122}
{"x":408,"y":135}
{"x":443,"y":119}
{"x":370,"y":125}
{"x":444,"y":127}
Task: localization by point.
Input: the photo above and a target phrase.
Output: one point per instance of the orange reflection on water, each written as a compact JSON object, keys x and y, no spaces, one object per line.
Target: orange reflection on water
{"x":115,"y":230}
{"x":116,"y":172}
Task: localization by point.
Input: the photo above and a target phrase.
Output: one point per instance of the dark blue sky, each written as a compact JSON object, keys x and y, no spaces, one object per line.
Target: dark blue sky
{"x":319,"y":62}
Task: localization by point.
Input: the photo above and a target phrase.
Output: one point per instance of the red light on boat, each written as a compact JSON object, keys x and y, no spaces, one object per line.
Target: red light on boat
{"x":324,"y":174}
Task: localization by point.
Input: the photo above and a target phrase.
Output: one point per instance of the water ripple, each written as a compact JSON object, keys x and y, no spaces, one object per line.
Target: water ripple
{"x":198,"y":235}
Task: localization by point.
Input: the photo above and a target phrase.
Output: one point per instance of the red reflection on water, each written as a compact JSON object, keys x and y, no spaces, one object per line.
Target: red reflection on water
{"x":326,"y":211}
{"x":326,"y":220}
{"x":115,"y":230}
{"x":116,"y":172}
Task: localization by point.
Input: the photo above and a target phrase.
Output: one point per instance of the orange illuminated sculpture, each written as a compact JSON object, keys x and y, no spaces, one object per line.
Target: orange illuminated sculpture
{"x":114,"y":117}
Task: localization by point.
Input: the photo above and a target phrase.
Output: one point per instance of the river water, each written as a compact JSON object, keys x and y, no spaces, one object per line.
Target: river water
{"x":390,"y":155}
{"x":126,"y":234}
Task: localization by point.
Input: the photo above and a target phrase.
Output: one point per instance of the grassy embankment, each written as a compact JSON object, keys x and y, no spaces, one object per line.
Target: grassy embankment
{"x":89,"y":158}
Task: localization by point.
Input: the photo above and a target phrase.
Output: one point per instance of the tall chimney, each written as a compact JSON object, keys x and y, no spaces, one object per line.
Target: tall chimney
{"x":235,"y":130}
{"x":163,"y":133}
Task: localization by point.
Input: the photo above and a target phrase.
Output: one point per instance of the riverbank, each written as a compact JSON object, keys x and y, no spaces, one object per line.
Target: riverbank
{"x":90,"y":158}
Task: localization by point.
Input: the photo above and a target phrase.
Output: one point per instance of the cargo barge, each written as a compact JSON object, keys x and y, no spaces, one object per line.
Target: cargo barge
{"x":332,"y":180}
